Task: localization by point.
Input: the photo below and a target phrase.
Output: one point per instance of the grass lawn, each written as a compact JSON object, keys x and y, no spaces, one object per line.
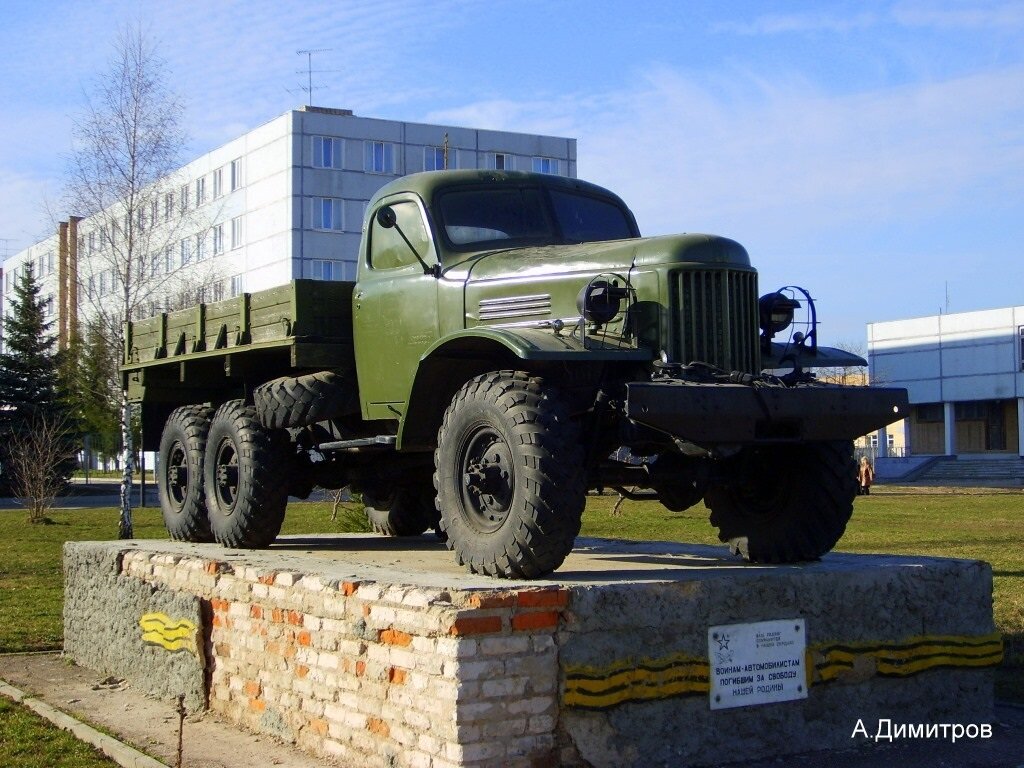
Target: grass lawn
{"x":977,"y":525}
{"x":29,"y":741}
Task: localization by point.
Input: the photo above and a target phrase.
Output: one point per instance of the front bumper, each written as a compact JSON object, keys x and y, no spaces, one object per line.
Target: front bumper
{"x":709,"y":414}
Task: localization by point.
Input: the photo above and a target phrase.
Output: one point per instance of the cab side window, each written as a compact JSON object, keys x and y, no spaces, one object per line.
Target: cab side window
{"x":387,"y":248}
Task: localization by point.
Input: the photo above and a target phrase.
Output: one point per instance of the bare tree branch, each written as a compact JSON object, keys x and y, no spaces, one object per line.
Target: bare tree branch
{"x":136,"y":257}
{"x":37,"y":455}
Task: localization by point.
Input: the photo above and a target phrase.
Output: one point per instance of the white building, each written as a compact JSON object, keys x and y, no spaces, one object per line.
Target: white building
{"x":965,"y":376}
{"x":285,"y":200}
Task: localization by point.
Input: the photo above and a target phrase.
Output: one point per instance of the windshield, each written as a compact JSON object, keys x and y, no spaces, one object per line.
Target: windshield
{"x":481,"y":218}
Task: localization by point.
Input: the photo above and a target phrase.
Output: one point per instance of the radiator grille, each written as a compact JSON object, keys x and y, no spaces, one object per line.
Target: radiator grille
{"x":713,"y":318}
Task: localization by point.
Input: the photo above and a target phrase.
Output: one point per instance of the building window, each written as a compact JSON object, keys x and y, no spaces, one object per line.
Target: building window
{"x":169,"y":259}
{"x":183,"y":199}
{"x":930,"y":413}
{"x":500,"y":161}
{"x":218,"y":291}
{"x":236,"y":174}
{"x":546,"y":165}
{"x":218,"y":239}
{"x":974,"y":410}
{"x":154,"y":266}
{"x":326,"y":152}
{"x":236,"y":232}
{"x":380,"y":157}
{"x":323,"y":269}
{"x":168,"y":205}
{"x":186,"y":251}
{"x":327,"y":213}
{"x":434,"y":160}
{"x":200,"y":246}
{"x":218,"y":183}
{"x":236,"y":285}
{"x":200,"y":191}
{"x":92,"y":242}
{"x":154,"y":210}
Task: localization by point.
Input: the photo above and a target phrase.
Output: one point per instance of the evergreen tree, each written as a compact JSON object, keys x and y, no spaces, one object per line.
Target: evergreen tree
{"x":29,"y":371}
{"x":28,"y":364}
{"x":90,"y":373}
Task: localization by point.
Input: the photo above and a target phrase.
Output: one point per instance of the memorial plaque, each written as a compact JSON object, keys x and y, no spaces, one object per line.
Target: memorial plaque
{"x":757,"y":663}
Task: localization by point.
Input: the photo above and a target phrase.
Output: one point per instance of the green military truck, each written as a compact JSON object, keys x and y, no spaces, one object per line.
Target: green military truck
{"x":511,"y":343}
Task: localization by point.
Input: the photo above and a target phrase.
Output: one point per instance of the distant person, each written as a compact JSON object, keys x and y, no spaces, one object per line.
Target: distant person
{"x":865,"y":476}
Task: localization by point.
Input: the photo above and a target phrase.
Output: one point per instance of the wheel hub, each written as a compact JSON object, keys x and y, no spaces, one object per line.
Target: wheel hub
{"x":177,"y":476}
{"x":488,"y":479}
{"x":226,"y":475}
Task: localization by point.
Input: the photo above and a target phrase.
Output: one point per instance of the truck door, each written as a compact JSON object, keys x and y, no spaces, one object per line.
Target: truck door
{"x":394,"y":309}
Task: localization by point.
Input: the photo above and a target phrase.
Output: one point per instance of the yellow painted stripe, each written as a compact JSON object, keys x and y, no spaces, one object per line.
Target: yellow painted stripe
{"x":170,"y":634}
{"x":154,"y":638}
{"x":910,"y":656}
{"x":591,"y":687}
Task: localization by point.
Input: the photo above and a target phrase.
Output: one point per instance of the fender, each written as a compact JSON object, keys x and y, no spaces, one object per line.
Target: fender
{"x":455,"y":359}
{"x":783,"y":355}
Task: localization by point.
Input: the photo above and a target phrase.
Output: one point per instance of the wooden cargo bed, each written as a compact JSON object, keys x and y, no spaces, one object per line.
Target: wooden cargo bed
{"x":305,"y":325}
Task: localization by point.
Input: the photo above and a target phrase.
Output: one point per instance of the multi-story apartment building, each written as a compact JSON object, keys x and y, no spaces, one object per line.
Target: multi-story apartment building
{"x":285,"y":200}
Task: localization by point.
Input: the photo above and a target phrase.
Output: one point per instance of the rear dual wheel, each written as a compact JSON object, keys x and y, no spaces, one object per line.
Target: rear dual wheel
{"x":180,"y":476}
{"x":246,"y":477}
{"x":405,"y":510}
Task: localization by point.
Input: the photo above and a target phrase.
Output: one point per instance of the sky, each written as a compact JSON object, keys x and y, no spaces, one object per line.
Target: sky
{"x":871,"y":152}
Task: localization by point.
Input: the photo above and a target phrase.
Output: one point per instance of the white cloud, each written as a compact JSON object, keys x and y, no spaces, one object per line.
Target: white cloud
{"x":961,"y":16}
{"x":776,"y":24}
{"x":913,"y":14}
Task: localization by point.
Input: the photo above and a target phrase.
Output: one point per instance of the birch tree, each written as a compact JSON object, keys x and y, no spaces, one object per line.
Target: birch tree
{"x":127,"y":147}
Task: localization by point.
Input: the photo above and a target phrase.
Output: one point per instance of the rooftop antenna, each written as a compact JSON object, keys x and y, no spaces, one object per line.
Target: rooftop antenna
{"x":308,"y":53}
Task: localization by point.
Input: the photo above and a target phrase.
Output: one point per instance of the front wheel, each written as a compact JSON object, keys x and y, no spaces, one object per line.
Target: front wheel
{"x":509,"y":476}
{"x":784,"y":504}
{"x":246,"y":473}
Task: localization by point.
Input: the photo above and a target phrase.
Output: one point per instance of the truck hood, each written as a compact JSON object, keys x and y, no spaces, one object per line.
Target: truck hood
{"x":612,"y":255}
{"x":530,"y":285}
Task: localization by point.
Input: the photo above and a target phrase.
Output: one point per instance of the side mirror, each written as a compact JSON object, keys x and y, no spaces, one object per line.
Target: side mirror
{"x":386,"y":217}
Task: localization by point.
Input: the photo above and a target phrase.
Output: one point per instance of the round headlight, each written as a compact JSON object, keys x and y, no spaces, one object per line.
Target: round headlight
{"x":776,"y":312}
{"x":600,"y":301}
